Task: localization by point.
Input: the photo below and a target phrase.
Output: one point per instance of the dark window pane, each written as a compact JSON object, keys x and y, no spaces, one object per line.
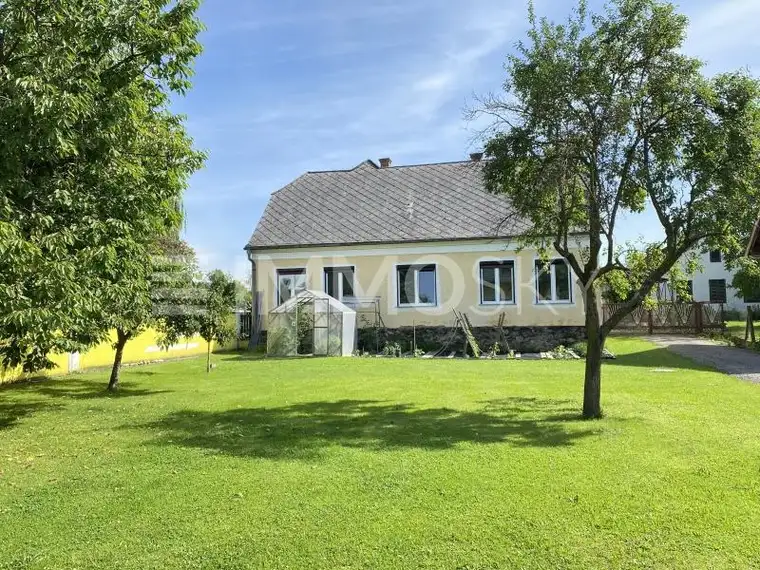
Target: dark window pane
{"x":405,"y":285}
{"x":754,"y":297}
{"x":331,"y":282}
{"x":562,"y":274}
{"x":426,"y":283}
{"x":284,"y":289}
{"x":505,"y":284}
{"x":715,"y":257}
{"x":488,"y":279}
{"x":348,"y":283}
{"x":543,"y":282}
{"x":717,"y":290}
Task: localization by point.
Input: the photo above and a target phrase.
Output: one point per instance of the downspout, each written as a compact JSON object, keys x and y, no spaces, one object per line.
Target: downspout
{"x":253,"y":338}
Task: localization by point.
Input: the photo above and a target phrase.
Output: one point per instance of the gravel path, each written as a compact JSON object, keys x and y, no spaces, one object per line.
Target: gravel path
{"x":744,"y":364}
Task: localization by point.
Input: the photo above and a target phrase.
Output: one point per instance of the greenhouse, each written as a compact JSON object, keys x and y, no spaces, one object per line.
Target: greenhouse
{"x":311,"y":324}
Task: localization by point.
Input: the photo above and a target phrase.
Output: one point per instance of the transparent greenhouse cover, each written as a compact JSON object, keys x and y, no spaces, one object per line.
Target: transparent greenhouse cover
{"x":311,"y":323}
{"x":335,"y":305}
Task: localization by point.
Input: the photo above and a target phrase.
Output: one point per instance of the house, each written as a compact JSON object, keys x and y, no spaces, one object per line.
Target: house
{"x":712,"y":284}
{"x":407,"y":246}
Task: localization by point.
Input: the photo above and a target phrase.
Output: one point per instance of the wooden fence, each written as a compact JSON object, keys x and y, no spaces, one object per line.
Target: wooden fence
{"x":674,"y":317}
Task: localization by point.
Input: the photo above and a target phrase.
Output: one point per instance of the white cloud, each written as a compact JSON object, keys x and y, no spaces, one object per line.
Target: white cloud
{"x":725,"y":34}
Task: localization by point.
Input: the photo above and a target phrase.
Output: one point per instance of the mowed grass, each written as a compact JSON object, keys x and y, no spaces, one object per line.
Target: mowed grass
{"x":369,"y":463}
{"x":738,"y":328}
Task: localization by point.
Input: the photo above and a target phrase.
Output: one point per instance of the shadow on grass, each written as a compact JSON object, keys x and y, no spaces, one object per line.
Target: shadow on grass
{"x":658,"y":357}
{"x":75,"y":388}
{"x":13,"y":412}
{"x":302,"y":431}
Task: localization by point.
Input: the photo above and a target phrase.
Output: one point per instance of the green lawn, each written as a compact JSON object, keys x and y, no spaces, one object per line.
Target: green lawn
{"x":368,"y":463}
{"x":737,"y":328}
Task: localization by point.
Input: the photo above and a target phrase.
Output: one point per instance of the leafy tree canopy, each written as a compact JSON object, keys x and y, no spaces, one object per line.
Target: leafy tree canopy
{"x":605,"y":114}
{"x":92,"y":164}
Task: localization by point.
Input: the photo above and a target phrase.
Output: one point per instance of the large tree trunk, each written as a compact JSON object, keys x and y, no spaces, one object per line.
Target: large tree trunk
{"x":121,"y":341}
{"x":592,"y":388}
{"x":208,"y":356}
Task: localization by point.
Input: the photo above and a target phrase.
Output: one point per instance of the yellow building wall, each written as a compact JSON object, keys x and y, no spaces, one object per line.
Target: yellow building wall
{"x":143,"y":348}
{"x":458,"y":281}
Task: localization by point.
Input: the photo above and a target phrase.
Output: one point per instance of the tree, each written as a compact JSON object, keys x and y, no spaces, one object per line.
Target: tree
{"x":605,"y":115}
{"x":85,"y":140}
{"x":215,"y":321}
{"x":155,"y":284}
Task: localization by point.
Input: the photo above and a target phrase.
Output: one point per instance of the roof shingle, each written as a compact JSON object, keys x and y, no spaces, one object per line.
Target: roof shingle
{"x":428,"y":202}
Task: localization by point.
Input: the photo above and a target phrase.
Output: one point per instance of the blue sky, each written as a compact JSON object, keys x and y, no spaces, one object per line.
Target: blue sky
{"x":289,"y":86}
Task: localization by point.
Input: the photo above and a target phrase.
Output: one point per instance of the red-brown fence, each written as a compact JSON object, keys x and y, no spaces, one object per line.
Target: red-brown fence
{"x":691,"y":318}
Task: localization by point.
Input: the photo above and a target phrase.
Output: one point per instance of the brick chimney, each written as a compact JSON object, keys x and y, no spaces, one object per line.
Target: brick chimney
{"x":385,"y":163}
{"x":476,"y":156}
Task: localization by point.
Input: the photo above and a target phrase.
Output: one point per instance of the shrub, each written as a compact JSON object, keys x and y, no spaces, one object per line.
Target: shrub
{"x":392,"y":349}
{"x":733,"y":315}
{"x":562,"y":353}
{"x":580,"y":348}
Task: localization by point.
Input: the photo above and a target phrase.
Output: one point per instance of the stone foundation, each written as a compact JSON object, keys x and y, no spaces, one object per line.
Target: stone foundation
{"x":431,"y":339}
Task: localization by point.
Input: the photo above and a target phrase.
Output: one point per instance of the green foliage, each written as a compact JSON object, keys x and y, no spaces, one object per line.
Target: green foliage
{"x":92,"y":166}
{"x":243,"y":296}
{"x":604,"y":115}
{"x":580,"y":348}
{"x":392,"y":349}
{"x":219,"y":303}
{"x":305,"y":327}
{"x":746,"y":279}
{"x":494,"y":351}
{"x":563,"y":353}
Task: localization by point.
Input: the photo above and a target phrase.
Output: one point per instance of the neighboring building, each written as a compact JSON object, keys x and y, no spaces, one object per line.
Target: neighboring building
{"x":713,"y":284}
{"x":416,"y":243}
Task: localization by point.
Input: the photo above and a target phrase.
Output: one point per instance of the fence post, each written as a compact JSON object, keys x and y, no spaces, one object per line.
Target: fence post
{"x":650,"y":322}
{"x":699,"y":317}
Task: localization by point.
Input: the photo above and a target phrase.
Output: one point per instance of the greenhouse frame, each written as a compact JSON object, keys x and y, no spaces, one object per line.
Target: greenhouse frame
{"x":311,"y":324}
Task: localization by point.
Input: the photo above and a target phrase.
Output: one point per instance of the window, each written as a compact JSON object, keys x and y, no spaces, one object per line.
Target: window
{"x":416,"y":285}
{"x":717,"y":290}
{"x":339,"y":282}
{"x":754,"y":298}
{"x":497,"y":282}
{"x":715,"y":257}
{"x":553,"y":282}
{"x":290,"y":282}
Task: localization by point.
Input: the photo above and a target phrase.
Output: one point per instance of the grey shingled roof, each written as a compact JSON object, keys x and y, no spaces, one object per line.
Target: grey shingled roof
{"x":368,"y":204}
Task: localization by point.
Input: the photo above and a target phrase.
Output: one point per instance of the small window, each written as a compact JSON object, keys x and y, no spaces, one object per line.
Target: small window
{"x":553,"y":282}
{"x":754,"y":298}
{"x":715,"y":257}
{"x":416,"y":285}
{"x":717,"y":290}
{"x":339,"y":282}
{"x":290,"y":282}
{"x":497,"y":282}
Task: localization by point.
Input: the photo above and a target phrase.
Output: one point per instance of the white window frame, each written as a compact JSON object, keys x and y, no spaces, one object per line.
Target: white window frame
{"x":553,"y":273}
{"x":277,"y":271}
{"x":415,"y":267}
{"x":340,"y":281}
{"x":498,"y":301}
